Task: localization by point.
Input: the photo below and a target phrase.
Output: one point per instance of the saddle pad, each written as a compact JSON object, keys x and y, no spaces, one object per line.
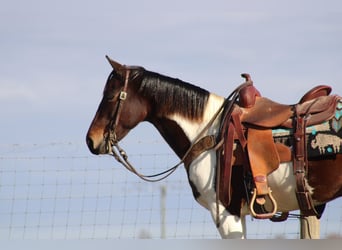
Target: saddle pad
{"x":322,"y":139}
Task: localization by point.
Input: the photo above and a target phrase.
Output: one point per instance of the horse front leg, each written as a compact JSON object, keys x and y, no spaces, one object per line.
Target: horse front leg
{"x":229,"y":226}
{"x":201,"y":175}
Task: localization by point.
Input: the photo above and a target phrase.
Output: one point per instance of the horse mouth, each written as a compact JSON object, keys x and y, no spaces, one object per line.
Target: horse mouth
{"x":105,"y":147}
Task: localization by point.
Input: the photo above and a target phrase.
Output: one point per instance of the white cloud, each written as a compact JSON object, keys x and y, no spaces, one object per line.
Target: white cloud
{"x":13,"y":92}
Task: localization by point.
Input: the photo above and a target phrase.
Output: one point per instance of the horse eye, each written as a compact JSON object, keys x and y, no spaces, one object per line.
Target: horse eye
{"x":110,"y":77}
{"x":109,"y":96}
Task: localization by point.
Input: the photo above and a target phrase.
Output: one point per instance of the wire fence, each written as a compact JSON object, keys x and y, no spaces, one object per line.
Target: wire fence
{"x":74,"y":195}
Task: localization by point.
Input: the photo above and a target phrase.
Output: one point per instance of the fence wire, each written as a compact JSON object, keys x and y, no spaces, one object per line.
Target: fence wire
{"x":74,"y":195}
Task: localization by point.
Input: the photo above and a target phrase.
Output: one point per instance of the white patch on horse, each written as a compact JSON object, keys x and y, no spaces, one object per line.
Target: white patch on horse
{"x":202,"y":175}
{"x":202,"y":171}
{"x":193,"y":128}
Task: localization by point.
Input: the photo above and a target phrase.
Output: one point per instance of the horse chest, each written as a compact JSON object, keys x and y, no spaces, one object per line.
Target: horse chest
{"x":201,"y":174}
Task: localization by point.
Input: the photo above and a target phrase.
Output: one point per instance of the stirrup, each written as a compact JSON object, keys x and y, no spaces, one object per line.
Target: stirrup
{"x":282,"y":216}
{"x":263,"y":215}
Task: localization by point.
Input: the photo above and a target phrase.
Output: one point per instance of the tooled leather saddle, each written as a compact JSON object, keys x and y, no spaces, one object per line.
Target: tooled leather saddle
{"x":250,"y":124}
{"x":249,"y":149}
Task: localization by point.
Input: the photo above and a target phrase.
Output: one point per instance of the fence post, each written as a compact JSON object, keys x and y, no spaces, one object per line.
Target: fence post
{"x":309,"y":228}
{"x":162,"y":212}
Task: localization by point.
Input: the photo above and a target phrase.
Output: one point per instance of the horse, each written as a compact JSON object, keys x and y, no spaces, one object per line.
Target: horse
{"x":184,"y":114}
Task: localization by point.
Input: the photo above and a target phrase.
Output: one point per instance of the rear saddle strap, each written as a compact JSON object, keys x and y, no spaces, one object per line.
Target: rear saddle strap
{"x":318,"y":102}
{"x":300,"y":167}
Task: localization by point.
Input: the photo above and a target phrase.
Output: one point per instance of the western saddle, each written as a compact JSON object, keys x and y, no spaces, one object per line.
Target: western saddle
{"x":246,"y":140}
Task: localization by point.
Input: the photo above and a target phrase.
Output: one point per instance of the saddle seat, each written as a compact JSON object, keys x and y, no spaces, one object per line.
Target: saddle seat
{"x":269,"y":114}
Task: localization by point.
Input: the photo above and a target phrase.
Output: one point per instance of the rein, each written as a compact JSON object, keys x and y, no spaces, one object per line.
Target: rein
{"x":121,"y":156}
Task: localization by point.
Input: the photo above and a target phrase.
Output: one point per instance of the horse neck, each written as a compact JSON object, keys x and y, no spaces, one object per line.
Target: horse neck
{"x":179,"y":131}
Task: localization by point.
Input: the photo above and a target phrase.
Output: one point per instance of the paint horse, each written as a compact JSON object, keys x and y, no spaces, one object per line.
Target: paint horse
{"x":243,"y":154}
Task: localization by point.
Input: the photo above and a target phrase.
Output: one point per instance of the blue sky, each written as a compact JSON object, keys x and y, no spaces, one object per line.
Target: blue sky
{"x":52,"y":65}
{"x":53,"y":69}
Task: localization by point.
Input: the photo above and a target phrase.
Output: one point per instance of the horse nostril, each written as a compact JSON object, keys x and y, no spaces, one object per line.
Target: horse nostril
{"x":90,"y":144}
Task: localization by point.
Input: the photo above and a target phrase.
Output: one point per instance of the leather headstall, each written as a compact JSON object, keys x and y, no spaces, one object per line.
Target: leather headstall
{"x":112,"y":138}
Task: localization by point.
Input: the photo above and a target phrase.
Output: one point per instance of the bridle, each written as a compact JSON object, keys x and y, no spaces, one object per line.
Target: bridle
{"x":121,"y":156}
{"x":111,"y":137}
{"x":118,"y":153}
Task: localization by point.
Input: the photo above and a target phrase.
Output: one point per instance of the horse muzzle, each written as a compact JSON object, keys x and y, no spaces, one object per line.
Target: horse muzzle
{"x":98,"y":147}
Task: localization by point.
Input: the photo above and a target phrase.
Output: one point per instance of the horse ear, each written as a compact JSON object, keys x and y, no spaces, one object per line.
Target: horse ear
{"x":116,"y":66}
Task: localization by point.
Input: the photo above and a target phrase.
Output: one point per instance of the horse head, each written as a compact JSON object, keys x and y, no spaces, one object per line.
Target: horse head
{"x":120,"y":109}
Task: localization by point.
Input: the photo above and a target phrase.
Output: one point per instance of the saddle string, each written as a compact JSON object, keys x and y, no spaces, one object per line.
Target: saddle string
{"x":121,"y":156}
